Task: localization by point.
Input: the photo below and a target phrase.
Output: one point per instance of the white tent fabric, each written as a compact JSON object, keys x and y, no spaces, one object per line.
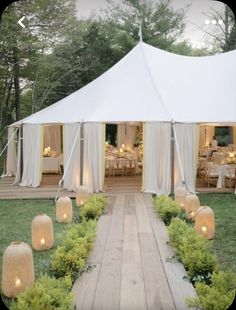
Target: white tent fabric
{"x":94,"y":156}
{"x":71,"y":165}
{"x":186,"y":137}
{"x":150,"y":84}
{"x":121,"y":129}
{"x":156,"y":158}
{"x":52,"y":137}
{"x":32,"y":155}
{"x":18,"y":169}
{"x":11,"y":153}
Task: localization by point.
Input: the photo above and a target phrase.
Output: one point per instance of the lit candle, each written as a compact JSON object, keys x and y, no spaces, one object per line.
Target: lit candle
{"x":42,"y":241}
{"x":204,"y":229}
{"x":64,"y":215}
{"x":17,"y":282}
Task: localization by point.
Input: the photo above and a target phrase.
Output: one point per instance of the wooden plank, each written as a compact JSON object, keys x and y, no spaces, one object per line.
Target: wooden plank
{"x":175,"y":271}
{"x":107,"y":295}
{"x":157,"y":289}
{"x":132,"y":284}
{"x":84,"y":289}
{"x":96,"y":255}
{"x":142,"y":216}
{"x":129,"y":205}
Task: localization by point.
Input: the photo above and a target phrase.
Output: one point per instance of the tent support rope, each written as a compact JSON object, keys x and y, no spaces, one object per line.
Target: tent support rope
{"x":183,"y":181}
{"x":68,"y":162}
{"x":9,"y":141}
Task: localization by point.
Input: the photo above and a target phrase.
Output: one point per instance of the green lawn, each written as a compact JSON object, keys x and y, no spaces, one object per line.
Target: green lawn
{"x":15,"y":224}
{"x":224,"y":244}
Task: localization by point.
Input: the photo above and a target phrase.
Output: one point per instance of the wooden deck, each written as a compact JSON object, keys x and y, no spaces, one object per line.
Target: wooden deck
{"x":49,"y":187}
{"x":128,"y":263}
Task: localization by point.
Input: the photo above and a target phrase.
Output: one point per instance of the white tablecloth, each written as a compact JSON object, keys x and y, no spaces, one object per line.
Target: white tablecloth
{"x":223,"y":171}
{"x":52,"y":164}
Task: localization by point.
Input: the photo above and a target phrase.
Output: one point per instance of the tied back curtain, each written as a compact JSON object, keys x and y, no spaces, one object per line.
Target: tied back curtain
{"x":94,"y":156}
{"x":32,"y":155}
{"x":186,"y":137}
{"x":11,"y":153}
{"x":52,"y":137}
{"x":72,"y":174}
{"x":126,"y":134}
{"x":156,"y":160}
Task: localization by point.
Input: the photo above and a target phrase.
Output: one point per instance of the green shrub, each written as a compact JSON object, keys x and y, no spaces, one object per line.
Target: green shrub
{"x":70,"y":257}
{"x":46,"y":294}
{"x":93,"y":207}
{"x":192,"y":250}
{"x":218,"y":295}
{"x":167,"y":208}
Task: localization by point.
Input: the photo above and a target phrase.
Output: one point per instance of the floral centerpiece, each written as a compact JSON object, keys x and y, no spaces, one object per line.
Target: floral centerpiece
{"x":48,"y":152}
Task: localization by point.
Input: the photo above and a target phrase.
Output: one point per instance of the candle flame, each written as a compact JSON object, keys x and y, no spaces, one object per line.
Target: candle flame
{"x":17,"y":282}
{"x":42,"y":241}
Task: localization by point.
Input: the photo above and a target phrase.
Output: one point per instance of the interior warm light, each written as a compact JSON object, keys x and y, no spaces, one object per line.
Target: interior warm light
{"x":64,"y":215}
{"x":204,"y":229}
{"x":121,"y":150}
{"x":182,"y":205}
{"x":231,"y":155}
{"x":192,"y":213}
{"x":123,"y":146}
{"x":17,"y":282}
{"x":42,"y":241}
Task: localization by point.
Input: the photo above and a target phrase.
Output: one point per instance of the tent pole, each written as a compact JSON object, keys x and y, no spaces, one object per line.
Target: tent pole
{"x":172,"y":159}
{"x":81,"y":154}
{"x":21,"y":151}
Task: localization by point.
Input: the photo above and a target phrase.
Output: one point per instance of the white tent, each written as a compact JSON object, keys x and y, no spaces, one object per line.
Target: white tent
{"x":148,"y":85}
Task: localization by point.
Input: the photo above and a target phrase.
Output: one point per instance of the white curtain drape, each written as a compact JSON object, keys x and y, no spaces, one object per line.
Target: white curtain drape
{"x":52,"y":137}
{"x":94,"y":156}
{"x":186,"y":137}
{"x":11,"y":153}
{"x":18,"y":170}
{"x":126,"y":134}
{"x":156,"y":160}
{"x":32,"y":155}
{"x":72,"y":174}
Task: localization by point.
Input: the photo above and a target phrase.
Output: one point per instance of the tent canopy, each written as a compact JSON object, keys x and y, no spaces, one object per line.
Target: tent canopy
{"x":150,"y":84}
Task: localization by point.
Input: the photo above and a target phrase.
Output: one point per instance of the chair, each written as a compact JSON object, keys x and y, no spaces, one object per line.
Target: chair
{"x":118,"y":167}
{"x":211,"y":175}
{"x":130,"y":167}
{"x":230,"y":177}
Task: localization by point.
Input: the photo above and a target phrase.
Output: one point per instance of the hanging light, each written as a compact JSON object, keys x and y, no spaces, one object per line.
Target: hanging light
{"x":205,"y":222}
{"x":42,"y":232}
{"x":17,"y":269}
{"x":81,"y":196}
{"x":64,"y":210}
{"x":192,"y":204}
{"x":180,"y":194}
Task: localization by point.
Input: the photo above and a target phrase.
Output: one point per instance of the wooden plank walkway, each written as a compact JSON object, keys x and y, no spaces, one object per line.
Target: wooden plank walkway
{"x":129,"y":268}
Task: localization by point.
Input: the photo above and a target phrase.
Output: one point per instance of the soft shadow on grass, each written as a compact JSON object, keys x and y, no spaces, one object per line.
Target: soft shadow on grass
{"x":224,"y":244}
{"x":15,"y":224}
